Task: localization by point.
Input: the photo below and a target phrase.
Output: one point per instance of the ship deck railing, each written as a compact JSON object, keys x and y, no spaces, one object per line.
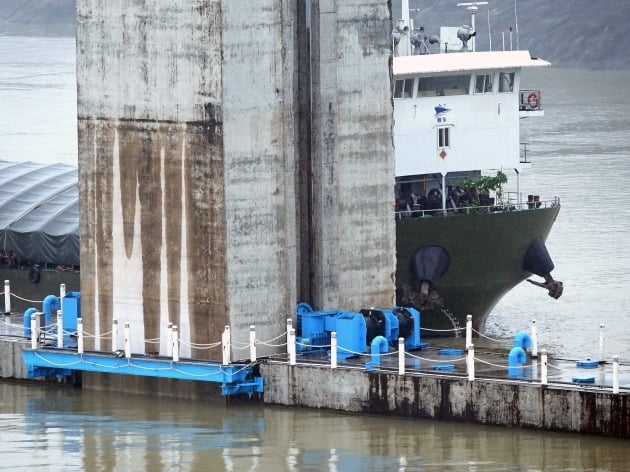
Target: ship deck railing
{"x":509,"y":205}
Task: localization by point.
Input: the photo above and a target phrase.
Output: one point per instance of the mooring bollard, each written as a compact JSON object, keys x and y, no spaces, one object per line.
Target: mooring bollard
{"x":534,"y":337}
{"x":7,"y":296}
{"x":543,"y":367}
{"x":59,"y":329}
{"x":333,"y":350}
{"x":252,"y":343}
{"x":127,"y":341}
{"x":468,"y":330}
{"x":471,"y":362}
{"x":401,"y":355}
{"x":80,"y":335}
{"x":291,"y":346}
{"x":35,"y":331}
{"x":114,"y":335}
{"x":226,"y":345}
{"x":175,"y":342}
{"x":615,"y":388}
{"x":601,"y":343}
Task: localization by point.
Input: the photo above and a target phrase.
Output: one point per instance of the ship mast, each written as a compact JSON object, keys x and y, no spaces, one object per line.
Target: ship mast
{"x":404,"y":28}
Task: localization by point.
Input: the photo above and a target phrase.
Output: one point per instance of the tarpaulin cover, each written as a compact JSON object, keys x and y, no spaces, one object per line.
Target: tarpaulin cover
{"x":39,"y":212}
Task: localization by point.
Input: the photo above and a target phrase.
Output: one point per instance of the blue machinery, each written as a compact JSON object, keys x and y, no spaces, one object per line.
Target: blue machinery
{"x":356,"y":330}
{"x":61,"y":362}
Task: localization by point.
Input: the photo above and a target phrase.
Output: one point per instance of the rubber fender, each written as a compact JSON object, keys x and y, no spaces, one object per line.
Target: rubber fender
{"x":537,"y":259}
{"x":34,"y":274}
{"x":429,"y":263}
{"x":522,"y":340}
{"x":516,"y":357}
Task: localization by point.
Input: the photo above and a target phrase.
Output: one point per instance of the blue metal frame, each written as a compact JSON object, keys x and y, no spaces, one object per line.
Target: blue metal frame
{"x":235,"y":378}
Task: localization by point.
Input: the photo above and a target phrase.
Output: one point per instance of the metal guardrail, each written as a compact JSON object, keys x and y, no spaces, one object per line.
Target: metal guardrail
{"x":505,"y":206}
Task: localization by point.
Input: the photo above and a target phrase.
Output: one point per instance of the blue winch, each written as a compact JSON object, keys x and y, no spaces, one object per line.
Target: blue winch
{"x":355,"y":331}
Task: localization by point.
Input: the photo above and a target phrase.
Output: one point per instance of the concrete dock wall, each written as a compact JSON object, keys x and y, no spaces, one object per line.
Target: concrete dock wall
{"x":11,"y":364}
{"x":501,"y":403}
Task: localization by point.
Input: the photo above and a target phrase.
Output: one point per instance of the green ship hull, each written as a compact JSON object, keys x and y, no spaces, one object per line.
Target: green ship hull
{"x":486,"y":252}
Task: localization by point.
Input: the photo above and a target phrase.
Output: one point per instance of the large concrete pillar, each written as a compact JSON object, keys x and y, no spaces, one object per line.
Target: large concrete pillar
{"x":235,"y":156}
{"x":186,"y":162}
{"x":352,"y":227}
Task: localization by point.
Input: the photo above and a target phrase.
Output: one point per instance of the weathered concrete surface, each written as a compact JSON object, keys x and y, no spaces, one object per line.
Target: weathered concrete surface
{"x":235,"y":157}
{"x":186,"y":168}
{"x":155,"y":386}
{"x":352,"y":228}
{"x":488,"y":402}
{"x":11,"y":364}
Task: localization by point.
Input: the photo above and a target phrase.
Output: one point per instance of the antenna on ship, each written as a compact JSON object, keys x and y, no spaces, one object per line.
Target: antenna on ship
{"x":473,"y":8}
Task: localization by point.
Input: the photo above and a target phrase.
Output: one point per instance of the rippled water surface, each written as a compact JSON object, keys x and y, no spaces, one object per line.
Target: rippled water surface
{"x":44,"y":428}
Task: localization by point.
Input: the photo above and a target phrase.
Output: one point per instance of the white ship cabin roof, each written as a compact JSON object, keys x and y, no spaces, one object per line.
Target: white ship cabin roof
{"x":464,"y":62}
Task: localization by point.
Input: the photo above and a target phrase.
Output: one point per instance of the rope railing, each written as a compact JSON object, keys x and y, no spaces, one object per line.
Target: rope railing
{"x":173,"y":343}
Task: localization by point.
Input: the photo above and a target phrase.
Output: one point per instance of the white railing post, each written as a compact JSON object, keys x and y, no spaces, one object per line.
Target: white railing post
{"x":289,"y":325}
{"x":226,"y":345}
{"x":59,"y":329}
{"x":175,"y":342}
{"x":291,"y":346}
{"x":7,"y":296}
{"x":471,"y":362}
{"x":62,"y":293}
{"x":35,"y":331}
{"x":543,"y":367}
{"x":615,"y":385}
{"x":401,"y":356}
{"x":127,"y":340}
{"x":601,"y":343}
{"x":468,"y":330}
{"x":252,"y":343}
{"x":534,"y":337}
{"x":333,"y":350}
{"x":114,"y":335}
{"x":80,"y":335}
{"x":169,"y":339}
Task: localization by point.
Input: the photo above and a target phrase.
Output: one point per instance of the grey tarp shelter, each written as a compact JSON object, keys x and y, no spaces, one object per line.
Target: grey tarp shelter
{"x":39,"y":212}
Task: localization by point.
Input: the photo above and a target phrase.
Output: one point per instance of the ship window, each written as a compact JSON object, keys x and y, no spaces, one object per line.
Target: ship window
{"x":506,"y":82}
{"x":483,"y":83}
{"x":444,"y":137}
{"x":404,"y":88}
{"x":446,"y":85}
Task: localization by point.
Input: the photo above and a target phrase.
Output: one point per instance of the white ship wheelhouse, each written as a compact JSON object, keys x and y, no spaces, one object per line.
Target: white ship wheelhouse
{"x":458,"y":115}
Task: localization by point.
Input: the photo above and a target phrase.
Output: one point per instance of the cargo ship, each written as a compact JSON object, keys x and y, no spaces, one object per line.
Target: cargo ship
{"x":463,"y":241}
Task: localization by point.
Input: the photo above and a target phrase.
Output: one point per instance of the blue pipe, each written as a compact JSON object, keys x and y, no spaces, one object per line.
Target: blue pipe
{"x":50,"y":303}
{"x":27,"y":321}
{"x":378,"y":346}
{"x":516,"y":357}
{"x":522,"y":340}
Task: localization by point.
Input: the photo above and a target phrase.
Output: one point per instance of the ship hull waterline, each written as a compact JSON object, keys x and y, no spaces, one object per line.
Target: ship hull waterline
{"x":486,"y":253}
